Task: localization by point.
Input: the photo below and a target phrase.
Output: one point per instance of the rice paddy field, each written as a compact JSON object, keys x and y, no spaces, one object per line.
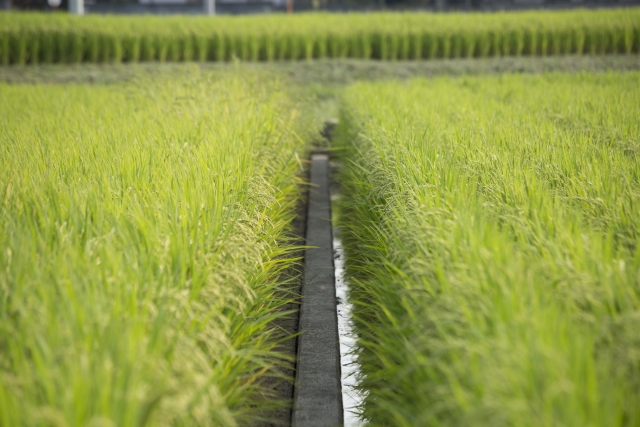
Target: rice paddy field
{"x":145,"y":233}
{"x":492,"y":229}
{"x":490,"y":214}
{"x":31,"y":38}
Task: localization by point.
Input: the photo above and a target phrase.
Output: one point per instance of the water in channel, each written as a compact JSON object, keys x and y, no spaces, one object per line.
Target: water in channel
{"x":351,"y":397}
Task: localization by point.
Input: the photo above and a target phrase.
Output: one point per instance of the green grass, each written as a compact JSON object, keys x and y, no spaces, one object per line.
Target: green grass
{"x":144,"y":233}
{"x":30,"y":38}
{"x":492,"y":227}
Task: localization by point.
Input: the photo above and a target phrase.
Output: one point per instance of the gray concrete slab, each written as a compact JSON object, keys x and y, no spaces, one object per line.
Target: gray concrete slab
{"x":318,"y":396}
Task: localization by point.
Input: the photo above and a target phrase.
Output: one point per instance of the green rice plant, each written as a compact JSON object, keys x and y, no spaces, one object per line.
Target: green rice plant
{"x":162,"y":48}
{"x":131,"y":48}
{"x":144,"y":229}
{"x":380,"y":46}
{"x":218,"y":45}
{"x":579,"y":40}
{"x":282,"y":47}
{"x":367,"y":48}
{"x":567,"y":42}
{"x":4,"y":49}
{"x":444,"y":46}
{"x":530,"y":41}
{"x":76,"y":47}
{"x":117,"y":49}
{"x":508,"y":44}
{"x":492,"y":235}
{"x":106,"y":48}
{"x":484,"y":45}
{"x":555,"y":42}
{"x":48,"y":47}
{"x":430,"y":45}
{"x":335,"y":48}
{"x":320,"y":50}
{"x":92,"y":46}
{"x":174,"y":49}
{"x":591,"y":43}
{"x":242,"y":48}
{"x":34,"y":49}
{"x":627,"y":40}
{"x":416,"y":48}
{"x":544,"y":43}
{"x":18,"y":48}
{"x":516,"y":47}
{"x":295,"y":47}
{"x":393,"y":46}
{"x":347,"y":46}
{"x":254,"y":48}
{"x":147,"y":48}
{"x":496,"y":43}
{"x":469,"y":43}
{"x":457,"y":45}
{"x":604,"y":40}
{"x":617,"y":40}
{"x":188,"y":48}
{"x":62,"y":45}
{"x":247,"y":51}
{"x":355,"y":47}
{"x":269,"y":50}
{"x":405,"y":47}
{"x":309,"y":48}
{"x":201,"y":46}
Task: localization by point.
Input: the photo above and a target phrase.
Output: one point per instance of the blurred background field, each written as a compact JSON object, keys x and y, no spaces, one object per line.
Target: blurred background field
{"x":32,"y":38}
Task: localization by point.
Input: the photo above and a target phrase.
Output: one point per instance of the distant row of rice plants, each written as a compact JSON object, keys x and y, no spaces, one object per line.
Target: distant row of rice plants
{"x":492,"y":230}
{"x":144,"y":230}
{"x":30,"y":38}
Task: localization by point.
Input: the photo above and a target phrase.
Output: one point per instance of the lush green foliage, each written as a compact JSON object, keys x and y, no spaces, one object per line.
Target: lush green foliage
{"x":34,"y":38}
{"x":493,"y":243}
{"x":143,"y":232}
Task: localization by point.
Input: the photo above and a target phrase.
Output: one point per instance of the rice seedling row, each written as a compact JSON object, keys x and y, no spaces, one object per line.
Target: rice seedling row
{"x":492,"y":232}
{"x":31,"y":38}
{"x":144,"y":232}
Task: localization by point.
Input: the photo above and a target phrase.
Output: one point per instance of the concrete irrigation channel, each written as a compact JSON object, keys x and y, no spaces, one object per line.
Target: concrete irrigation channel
{"x":318,"y":394}
{"x":323,"y":363}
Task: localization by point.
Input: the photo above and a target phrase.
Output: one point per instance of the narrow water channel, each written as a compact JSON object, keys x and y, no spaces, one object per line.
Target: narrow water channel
{"x":351,"y":397}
